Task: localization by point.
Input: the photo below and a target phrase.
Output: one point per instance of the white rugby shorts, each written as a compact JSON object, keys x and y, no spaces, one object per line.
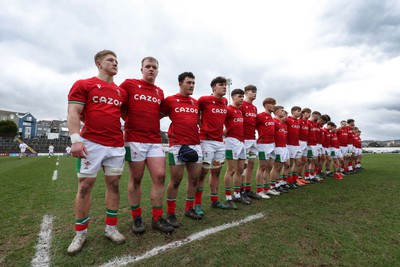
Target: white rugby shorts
{"x":266,"y":151}
{"x":303,"y":148}
{"x":235,"y":149}
{"x":136,"y":152}
{"x":213,"y":154}
{"x":173,"y":153}
{"x":312,"y":152}
{"x":251,"y":149}
{"x":344,"y":150}
{"x":281,"y":154}
{"x":99,"y":156}
{"x":294,"y":152}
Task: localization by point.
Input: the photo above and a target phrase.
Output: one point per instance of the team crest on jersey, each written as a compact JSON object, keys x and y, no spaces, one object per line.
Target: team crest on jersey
{"x":99,"y":85}
{"x":119,"y":93}
{"x":213,"y":102}
{"x":157,"y":91}
{"x":191,"y":100}
{"x":140,"y":86}
{"x":178,"y":100}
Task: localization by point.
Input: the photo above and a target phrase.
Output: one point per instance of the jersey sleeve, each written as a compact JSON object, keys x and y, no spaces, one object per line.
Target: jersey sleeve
{"x":164,"y":108}
{"x":78,"y":93}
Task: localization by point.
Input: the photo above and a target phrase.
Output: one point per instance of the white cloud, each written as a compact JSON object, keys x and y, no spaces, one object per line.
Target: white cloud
{"x":300,"y":52}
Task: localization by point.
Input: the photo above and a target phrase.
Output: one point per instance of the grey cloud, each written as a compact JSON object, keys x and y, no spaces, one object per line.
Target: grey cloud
{"x":374,"y":23}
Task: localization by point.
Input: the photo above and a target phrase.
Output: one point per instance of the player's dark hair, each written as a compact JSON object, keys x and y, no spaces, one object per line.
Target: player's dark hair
{"x":326,"y":117}
{"x":237,"y":91}
{"x":250,"y":88}
{"x":269,"y":100}
{"x":218,"y":79}
{"x":183,"y":75}
{"x":316,"y":113}
{"x":295,"y":108}
{"x":350,"y":121}
{"x":278,"y":108}
{"x":304,"y":110}
{"x":330,"y":123}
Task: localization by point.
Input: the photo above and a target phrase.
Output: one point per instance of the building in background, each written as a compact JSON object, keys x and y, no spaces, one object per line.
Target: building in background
{"x":58,"y":130}
{"x":43,"y":128}
{"x":26,"y":122}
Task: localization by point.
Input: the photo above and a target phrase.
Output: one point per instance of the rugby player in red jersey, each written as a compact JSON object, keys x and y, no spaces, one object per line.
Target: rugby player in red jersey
{"x":249,"y":112}
{"x":312,"y":149}
{"x":327,"y":135}
{"x":235,"y":150}
{"x":358,"y":149}
{"x":143,"y":145}
{"x":265,"y":126}
{"x":350,"y":145}
{"x":183,"y":132}
{"x":321,"y":158}
{"x":335,"y":151}
{"x":281,"y":152}
{"x":303,"y":135}
{"x":293,"y":145}
{"x":342,"y":134}
{"x":99,"y":145}
{"x":213,"y":110}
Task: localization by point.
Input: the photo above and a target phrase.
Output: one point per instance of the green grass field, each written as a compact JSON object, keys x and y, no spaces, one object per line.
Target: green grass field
{"x":353,"y":222}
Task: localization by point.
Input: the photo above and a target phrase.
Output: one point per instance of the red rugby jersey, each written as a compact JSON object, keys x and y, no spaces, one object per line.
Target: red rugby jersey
{"x":184,"y":114}
{"x":143,"y":121}
{"x":350,"y":135}
{"x":213,"y":114}
{"x":102,"y":110}
{"x":312,"y":138}
{"x":265,"y":126}
{"x":327,"y":134}
{"x":304,"y":128}
{"x":357,"y":141}
{"x":293,"y":129}
{"x":334,"y":140}
{"x":280,"y":133}
{"x":342,"y":134}
{"x":319,"y":134}
{"x":249,"y":112}
{"x":234,"y":123}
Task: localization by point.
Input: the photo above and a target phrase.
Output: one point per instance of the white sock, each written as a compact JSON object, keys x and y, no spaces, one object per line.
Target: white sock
{"x":83,"y":232}
{"x":110,"y":228}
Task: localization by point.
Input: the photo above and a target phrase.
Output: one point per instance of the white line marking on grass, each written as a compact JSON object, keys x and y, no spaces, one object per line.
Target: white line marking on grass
{"x":42,"y":256}
{"x":121,"y":261}
{"x":55,"y":175}
{"x":57,"y":163}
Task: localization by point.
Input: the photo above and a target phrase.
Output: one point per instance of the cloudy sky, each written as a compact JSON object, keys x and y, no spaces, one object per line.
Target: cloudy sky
{"x":338,"y":57}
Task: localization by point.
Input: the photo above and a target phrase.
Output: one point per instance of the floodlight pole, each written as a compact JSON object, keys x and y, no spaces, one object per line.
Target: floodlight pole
{"x":229,"y":83}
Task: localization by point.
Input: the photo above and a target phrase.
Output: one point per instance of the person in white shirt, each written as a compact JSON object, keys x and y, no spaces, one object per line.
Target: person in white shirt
{"x":51,"y":150}
{"x":68,"y":151}
{"x":22,"y":148}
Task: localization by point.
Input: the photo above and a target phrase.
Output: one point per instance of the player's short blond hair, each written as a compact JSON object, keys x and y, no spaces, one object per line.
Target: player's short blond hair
{"x":100,"y":55}
{"x":150,"y":59}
